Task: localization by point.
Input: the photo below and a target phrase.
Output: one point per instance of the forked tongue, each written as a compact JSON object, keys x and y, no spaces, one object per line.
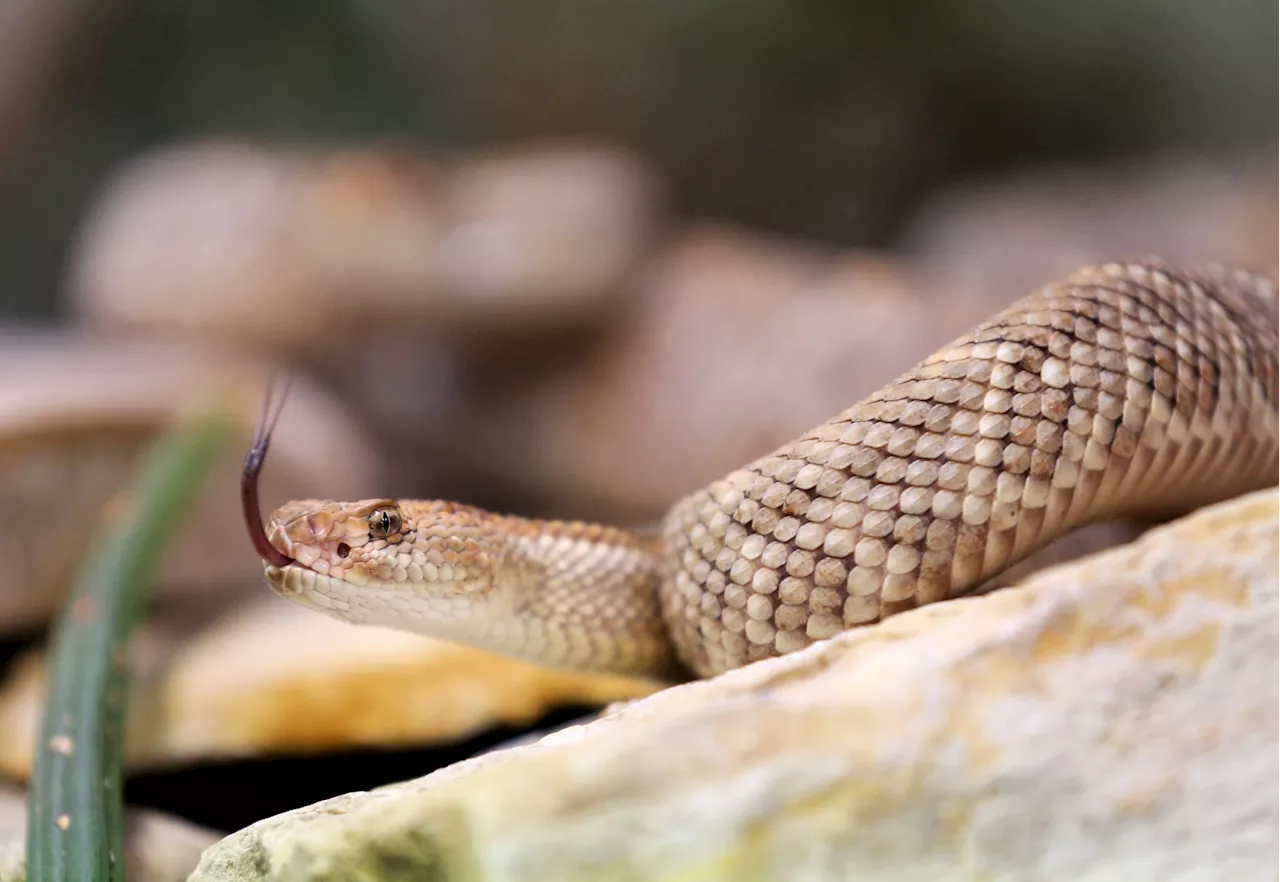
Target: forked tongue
{"x":253,"y":466}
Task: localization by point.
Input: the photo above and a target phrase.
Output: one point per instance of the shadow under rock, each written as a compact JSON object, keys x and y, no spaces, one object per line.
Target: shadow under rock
{"x":13,"y":645}
{"x":228,"y":796}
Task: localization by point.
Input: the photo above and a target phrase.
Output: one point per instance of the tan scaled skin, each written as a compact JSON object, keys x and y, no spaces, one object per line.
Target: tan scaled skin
{"x":1126,"y":390}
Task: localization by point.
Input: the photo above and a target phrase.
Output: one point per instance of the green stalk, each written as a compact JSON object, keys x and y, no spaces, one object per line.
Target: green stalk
{"x":74,"y":812}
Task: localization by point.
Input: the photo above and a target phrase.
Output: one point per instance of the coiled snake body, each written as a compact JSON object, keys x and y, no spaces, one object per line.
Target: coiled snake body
{"x":1134,"y":390}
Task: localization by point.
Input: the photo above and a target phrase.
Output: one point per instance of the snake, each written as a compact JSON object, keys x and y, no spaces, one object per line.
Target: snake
{"x":1132,"y":389}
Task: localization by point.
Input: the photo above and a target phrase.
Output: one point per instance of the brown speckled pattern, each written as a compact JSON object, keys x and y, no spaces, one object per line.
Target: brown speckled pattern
{"x":1125,"y":390}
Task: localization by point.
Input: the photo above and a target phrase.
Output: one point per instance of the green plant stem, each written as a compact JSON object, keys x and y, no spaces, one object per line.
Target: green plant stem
{"x":75,"y":808}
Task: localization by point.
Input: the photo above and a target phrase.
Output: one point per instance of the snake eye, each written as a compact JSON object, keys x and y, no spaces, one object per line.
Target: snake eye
{"x":383,"y":522}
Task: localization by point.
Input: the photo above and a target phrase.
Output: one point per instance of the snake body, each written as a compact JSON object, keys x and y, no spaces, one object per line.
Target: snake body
{"x":1124,"y":390}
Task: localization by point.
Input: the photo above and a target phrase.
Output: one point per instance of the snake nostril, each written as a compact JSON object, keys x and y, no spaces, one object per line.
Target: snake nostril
{"x":343,"y":549}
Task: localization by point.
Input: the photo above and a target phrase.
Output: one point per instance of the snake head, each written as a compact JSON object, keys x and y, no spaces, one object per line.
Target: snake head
{"x":319,"y":534}
{"x":382,"y":561}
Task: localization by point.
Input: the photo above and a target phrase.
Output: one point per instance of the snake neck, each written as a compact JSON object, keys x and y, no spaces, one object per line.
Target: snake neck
{"x":581,"y":597}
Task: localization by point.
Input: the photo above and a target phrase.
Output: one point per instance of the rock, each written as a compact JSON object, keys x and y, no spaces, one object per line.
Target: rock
{"x":288,"y":250}
{"x":544,"y":234}
{"x":1014,"y":231}
{"x":75,"y":413}
{"x":1112,"y":718}
{"x":385,"y":273}
{"x":262,"y":243}
{"x":1252,"y":224}
{"x":158,"y":847}
{"x":272,"y":678}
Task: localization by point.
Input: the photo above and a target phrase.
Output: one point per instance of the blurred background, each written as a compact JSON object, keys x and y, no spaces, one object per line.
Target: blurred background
{"x":569,"y":259}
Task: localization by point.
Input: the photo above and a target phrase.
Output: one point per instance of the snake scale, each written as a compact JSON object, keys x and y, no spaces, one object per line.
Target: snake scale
{"x":1125,"y":390}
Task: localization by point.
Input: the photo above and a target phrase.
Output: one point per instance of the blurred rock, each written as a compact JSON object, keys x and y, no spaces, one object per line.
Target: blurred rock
{"x":157,"y":847}
{"x":1018,"y":230}
{"x":243,"y":242}
{"x":307,"y":251}
{"x":384,"y":273}
{"x":273,"y":678}
{"x":541,"y":235}
{"x":735,"y":343}
{"x":1116,"y":717}
{"x":1251,"y":227}
{"x":75,"y":414}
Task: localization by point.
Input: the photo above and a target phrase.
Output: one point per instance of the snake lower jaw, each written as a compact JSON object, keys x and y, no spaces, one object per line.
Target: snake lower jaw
{"x":299,"y":585}
{"x":312,"y":590}
{"x":385,"y":604}
{"x":276,"y":580}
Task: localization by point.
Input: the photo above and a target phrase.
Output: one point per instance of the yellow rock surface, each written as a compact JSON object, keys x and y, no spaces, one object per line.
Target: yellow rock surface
{"x":275,"y":678}
{"x":1111,"y":718}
